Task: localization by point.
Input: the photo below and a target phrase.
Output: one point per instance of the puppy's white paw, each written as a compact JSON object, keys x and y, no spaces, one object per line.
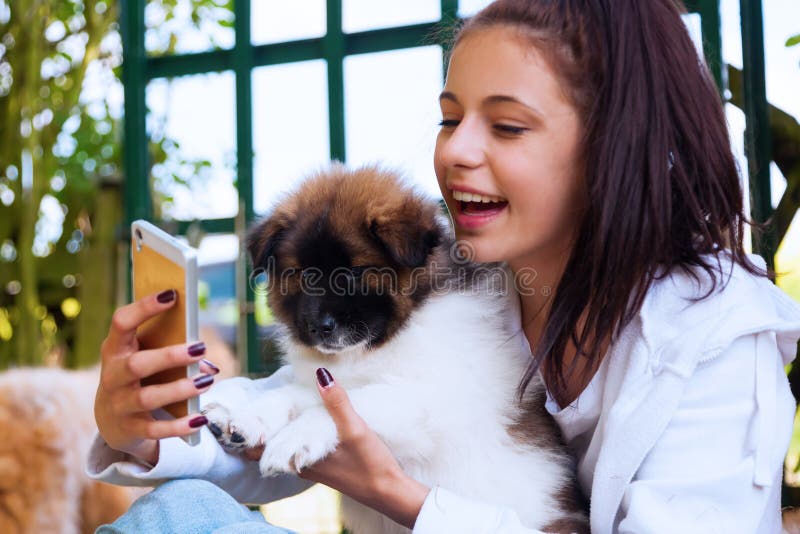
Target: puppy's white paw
{"x":302,"y":443}
{"x":241,"y":430}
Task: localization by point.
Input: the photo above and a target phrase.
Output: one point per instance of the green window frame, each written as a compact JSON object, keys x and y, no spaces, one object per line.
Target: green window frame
{"x":334,"y":47}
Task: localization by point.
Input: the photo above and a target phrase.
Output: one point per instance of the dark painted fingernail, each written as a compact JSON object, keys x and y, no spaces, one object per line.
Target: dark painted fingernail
{"x":197,"y":349}
{"x":202,"y":381}
{"x":166,"y":296}
{"x":198,"y":421}
{"x":237,"y":438}
{"x":324,"y":377}
{"x":213,"y":367}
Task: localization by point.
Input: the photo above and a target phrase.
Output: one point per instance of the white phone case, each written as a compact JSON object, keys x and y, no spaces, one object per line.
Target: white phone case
{"x":160,"y":258}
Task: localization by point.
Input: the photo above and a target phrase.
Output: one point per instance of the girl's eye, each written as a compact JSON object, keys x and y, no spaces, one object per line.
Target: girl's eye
{"x":510,"y":130}
{"x":448,"y":123}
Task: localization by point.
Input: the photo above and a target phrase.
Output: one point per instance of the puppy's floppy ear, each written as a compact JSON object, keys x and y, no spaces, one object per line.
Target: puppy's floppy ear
{"x":263,"y":238}
{"x":408,"y":233}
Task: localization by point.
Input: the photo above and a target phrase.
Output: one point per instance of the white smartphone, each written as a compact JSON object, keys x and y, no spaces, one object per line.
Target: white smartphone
{"x":161,"y":262}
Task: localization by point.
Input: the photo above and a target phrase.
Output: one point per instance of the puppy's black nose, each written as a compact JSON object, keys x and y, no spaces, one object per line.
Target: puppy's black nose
{"x":327,"y":324}
{"x":322,"y":327}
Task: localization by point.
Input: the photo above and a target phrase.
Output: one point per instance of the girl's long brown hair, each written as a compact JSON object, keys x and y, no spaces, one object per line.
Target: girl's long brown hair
{"x":662,"y":185}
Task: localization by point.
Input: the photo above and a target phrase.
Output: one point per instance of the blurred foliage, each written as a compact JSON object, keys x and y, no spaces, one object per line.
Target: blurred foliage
{"x":793,"y":41}
{"x":61,"y":103}
{"x":180,"y":26}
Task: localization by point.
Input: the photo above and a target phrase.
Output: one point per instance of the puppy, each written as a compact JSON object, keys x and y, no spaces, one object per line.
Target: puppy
{"x":367,"y":282}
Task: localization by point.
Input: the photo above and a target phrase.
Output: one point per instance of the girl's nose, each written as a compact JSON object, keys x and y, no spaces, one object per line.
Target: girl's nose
{"x":461,"y":146}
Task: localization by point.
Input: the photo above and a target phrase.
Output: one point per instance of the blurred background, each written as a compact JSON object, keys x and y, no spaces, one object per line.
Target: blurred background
{"x":198,"y":114}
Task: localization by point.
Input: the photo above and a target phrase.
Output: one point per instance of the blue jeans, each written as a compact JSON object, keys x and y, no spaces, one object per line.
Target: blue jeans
{"x":189,"y":507}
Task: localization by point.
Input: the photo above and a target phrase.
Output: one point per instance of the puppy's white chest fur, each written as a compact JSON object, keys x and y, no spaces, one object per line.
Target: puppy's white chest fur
{"x":441,"y":394}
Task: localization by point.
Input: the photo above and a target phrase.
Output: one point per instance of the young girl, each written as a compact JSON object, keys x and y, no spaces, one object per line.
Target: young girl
{"x":662,"y":344}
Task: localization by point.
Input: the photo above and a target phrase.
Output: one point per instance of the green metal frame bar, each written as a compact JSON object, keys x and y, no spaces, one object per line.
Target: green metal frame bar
{"x":757,"y":138}
{"x":330,"y":47}
{"x":136,"y":189}
{"x":449,"y":9}
{"x":243,"y":67}
{"x":333,"y":45}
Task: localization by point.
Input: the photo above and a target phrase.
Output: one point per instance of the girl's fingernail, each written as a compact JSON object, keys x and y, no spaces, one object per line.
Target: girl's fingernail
{"x":211,"y":365}
{"x":198,"y":349}
{"x":166,"y":296}
{"x":198,"y":421}
{"x":203,"y":380}
{"x":324,"y":377}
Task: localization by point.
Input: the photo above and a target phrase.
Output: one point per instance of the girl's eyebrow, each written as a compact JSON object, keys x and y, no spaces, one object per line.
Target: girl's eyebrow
{"x":447,"y":95}
{"x":501,"y":99}
{"x":493,"y":99}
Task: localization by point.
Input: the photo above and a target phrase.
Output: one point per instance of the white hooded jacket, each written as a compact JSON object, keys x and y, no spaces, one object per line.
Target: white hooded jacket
{"x":695,"y":419}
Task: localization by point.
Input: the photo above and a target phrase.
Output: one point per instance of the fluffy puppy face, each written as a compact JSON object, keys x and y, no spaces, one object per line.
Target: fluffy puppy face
{"x":346,"y":257}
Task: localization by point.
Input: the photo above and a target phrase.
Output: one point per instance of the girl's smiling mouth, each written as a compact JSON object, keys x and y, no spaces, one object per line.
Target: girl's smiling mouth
{"x":473,"y":210}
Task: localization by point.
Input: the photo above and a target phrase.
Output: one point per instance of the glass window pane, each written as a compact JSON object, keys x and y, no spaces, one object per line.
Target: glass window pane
{"x":392,"y":110}
{"x":275,"y":21}
{"x":360,"y":15}
{"x":731,"y":33}
{"x":290,"y":127}
{"x":467,"y":8}
{"x":694,"y":25}
{"x":184,"y":26}
{"x":219,"y":309}
{"x":191,"y":126}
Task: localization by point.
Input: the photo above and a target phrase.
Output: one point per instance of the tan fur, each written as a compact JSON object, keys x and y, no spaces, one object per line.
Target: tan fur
{"x":47,"y":425}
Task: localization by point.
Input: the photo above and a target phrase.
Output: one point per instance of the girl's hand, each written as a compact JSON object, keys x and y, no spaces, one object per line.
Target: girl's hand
{"x":362,"y":466}
{"x":122,"y":406}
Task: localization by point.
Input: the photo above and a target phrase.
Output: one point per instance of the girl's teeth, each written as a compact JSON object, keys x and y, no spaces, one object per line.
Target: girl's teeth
{"x":473,"y":197}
